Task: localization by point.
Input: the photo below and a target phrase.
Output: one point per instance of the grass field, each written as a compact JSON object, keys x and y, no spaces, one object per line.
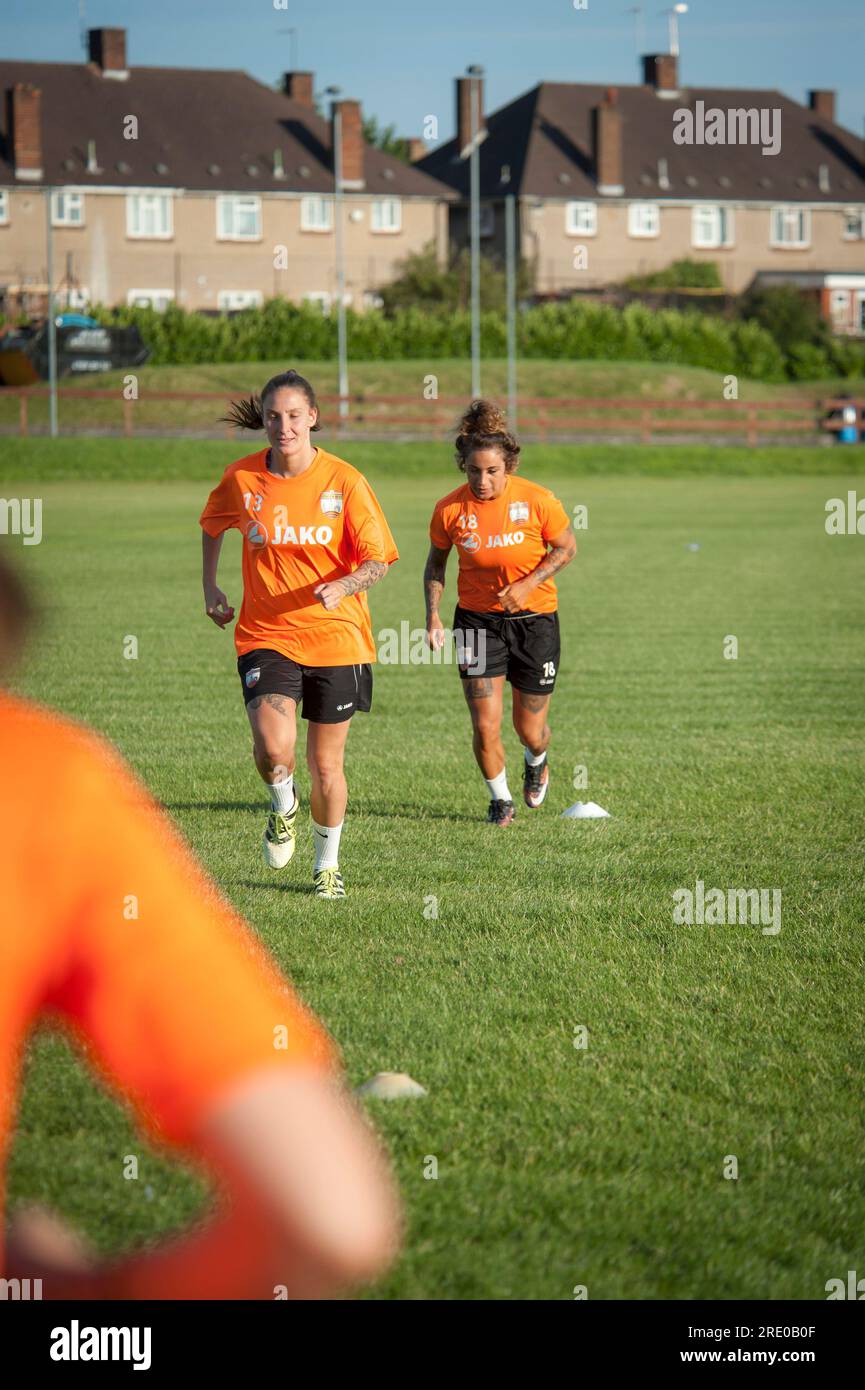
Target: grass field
{"x":557,"y":1167}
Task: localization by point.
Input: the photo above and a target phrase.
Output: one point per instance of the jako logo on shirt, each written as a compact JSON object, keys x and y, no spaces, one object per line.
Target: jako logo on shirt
{"x":509,"y":538}
{"x":518,"y":511}
{"x":256,"y":534}
{"x":303,"y":535}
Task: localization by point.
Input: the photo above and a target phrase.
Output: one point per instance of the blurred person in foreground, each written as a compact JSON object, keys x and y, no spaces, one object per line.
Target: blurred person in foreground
{"x":118,"y":934}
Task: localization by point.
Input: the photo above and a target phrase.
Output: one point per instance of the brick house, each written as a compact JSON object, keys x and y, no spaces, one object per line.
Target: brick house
{"x":604,"y":189}
{"x":205,"y":188}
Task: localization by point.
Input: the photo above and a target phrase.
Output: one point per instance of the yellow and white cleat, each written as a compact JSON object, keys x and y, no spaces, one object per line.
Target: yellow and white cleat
{"x":280,"y":837}
{"x":329,"y":884}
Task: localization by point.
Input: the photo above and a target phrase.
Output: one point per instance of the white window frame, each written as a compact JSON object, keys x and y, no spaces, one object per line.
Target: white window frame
{"x":70,"y":201}
{"x":320,"y":297}
{"x":637,"y":212}
{"x":379,"y":222}
{"x":229,"y":206}
{"x":167,"y":296}
{"x":786,"y":212}
{"x":577,"y":222}
{"x":849,"y":215}
{"x":721,"y":221}
{"x":239,"y":299}
{"x":4,"y":207}
{"x":487,"y":220}
{"x":157,"y":199}
{"x":321,"y":202}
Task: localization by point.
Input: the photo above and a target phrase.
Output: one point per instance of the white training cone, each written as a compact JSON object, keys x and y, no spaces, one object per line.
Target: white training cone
{"x":585,"y":810}
{"x":390,"y":1085}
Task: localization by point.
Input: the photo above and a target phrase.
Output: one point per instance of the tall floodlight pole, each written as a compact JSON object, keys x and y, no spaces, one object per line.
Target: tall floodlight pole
{"x":52,"y":327}
{"x":511,"y":296}
{"x":475,"y":72}
{"x":674,"y":26}
{"x":342,"y":350}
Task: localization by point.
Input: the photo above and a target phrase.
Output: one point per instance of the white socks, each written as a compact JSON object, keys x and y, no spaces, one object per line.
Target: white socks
{"x":532,"y":761}
{"x":282,"y":794}
{"x":499,"y":787}
{"x":326,"y":841}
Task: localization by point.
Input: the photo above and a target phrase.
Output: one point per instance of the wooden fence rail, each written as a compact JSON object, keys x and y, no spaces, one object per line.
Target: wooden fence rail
{"x":545,"y":417}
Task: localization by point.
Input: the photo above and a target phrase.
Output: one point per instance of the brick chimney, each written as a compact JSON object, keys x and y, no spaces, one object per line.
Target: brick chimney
{"x":352,"y":142}
{"x":24,"y":130}
{"x":660,"y":70}
{"x":298,"y":86}
{"x":107,"y":49}
{"x":464,"y":110}
{"x":822,"y":103}
{"x":607,"y":139}
{"x":416,"y":148}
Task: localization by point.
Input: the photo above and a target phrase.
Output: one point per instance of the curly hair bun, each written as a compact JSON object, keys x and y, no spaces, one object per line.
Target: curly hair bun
{"x":483,"y":418}
{"x":484,"y":425}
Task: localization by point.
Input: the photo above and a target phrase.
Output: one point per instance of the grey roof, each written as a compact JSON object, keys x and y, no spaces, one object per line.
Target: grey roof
{"x":547,"y":133}
{"x":189,"y":119}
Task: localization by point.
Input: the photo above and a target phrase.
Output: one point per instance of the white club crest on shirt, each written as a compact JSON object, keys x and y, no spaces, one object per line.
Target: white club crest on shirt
{"x":331,"y":503}
{"x":518,"y":511}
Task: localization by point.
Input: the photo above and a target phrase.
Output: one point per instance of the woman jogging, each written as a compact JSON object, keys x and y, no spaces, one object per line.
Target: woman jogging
{"x":512,"y":537}
{"x":314,"y":540}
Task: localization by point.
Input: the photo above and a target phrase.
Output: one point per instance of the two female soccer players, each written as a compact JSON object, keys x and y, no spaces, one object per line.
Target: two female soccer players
{"x":512,"y":537}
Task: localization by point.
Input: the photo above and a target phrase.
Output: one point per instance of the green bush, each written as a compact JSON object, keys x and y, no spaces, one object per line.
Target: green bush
{"x":680,"y":275}
{"x":576,"y":330}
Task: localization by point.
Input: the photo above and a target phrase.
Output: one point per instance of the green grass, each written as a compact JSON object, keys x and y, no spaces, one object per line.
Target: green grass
{"x":537,"y":379}
{"x":557,"y":1167}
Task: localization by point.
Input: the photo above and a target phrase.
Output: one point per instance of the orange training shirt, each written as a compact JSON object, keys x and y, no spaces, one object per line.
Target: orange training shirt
{"x":113,"y":926}
{"x":297,"y":533}
{"x":499,"y":541}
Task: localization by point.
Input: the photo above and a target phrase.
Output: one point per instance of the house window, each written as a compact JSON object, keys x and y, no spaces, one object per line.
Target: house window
{"x":854,"y":224}
{"x":67,"y":209}
{"x":387,"y":215}
{"x":711,"y":226}
{"x":644,"y":219}
{"x":581,"y":219}
{"x":149,"y":215}
{"x":316,"y":214}
{"x":238,"y":218}
{"x":239,"y":299}
{"x":486,"y":220}
{"x":4,"y":206}
{"x":839,"y":308}
{"x":790,"y":227}
{"x":150,"y":299}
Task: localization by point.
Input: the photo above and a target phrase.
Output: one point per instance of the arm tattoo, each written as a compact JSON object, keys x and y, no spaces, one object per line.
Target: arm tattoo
{"x":367,"y":574}
{"x":557,"y":558}
{"x":434,"y":580}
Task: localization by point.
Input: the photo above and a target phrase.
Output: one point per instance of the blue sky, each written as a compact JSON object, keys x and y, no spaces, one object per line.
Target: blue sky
{"x":399,"y":57}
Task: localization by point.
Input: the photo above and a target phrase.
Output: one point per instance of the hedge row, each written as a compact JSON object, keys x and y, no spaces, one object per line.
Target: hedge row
{"x":575,"y":330}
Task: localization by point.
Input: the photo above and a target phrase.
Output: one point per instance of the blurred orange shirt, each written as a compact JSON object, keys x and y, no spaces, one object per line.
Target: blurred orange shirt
{"x":297,"y":533}
{"x":499,"y":541}
{"x":111,"y":926}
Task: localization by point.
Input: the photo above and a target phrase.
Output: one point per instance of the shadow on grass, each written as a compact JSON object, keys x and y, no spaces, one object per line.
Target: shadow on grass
{"x":356,"y":809}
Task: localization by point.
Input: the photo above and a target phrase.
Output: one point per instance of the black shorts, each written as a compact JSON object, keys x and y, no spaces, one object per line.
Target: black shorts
{"x":524,"y":647}
{"x":329,"y":694}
